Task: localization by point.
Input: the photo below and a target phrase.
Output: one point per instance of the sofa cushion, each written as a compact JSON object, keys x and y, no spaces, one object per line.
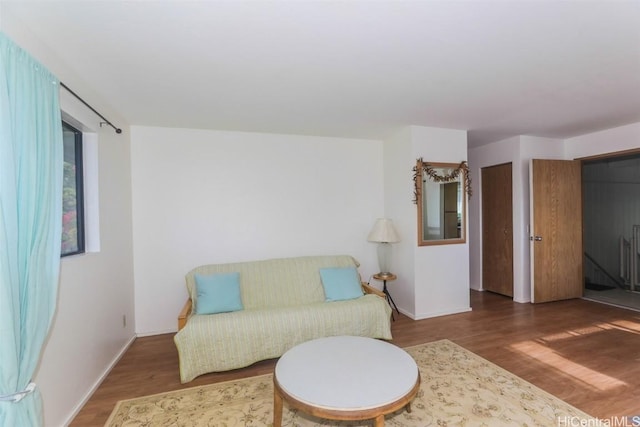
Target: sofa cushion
{"x":341,"y":283}
{"x":218,"y":293}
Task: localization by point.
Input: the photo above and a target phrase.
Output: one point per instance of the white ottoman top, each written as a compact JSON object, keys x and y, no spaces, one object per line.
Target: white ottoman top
{"x":346,"y":373}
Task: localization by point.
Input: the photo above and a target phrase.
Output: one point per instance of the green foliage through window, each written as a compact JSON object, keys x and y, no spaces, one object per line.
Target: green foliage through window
{"x":72,"y":193}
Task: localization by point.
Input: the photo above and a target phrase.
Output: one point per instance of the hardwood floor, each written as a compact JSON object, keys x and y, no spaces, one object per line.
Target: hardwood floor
{"x":585,"y":353}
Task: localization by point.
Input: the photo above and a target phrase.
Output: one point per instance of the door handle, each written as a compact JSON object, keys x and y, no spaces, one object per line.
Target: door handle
{"x":536,"y":238}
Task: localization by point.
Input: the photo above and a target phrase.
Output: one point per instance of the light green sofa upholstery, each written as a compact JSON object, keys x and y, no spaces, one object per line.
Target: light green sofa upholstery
{"x":284,"y":305}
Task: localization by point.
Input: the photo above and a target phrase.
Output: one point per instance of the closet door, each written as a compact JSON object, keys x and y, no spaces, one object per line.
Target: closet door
{"x":497,"y":229}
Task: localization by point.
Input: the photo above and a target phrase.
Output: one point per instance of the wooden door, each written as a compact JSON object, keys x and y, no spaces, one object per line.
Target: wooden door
{"x":556,"y":230}
{"x":497,"y":229}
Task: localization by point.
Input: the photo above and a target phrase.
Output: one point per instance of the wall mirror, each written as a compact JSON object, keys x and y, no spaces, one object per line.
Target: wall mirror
{"x":440,"y":192}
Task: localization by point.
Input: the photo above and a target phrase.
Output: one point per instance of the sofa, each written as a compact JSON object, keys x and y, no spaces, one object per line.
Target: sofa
{"x":273,"y":305}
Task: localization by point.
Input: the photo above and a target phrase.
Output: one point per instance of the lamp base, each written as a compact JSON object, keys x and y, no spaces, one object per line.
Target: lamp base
{"x":384,"y":276}
{"x":384,"y":257}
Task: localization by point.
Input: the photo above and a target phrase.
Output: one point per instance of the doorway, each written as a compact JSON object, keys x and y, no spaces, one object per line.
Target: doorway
{"x":611,"y":215}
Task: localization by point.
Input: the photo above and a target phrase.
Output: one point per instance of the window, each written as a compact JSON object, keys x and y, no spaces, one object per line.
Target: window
{"x":72,"y":193}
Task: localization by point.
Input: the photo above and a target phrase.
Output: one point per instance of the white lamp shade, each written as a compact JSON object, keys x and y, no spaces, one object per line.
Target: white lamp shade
{"x":383,"y":232}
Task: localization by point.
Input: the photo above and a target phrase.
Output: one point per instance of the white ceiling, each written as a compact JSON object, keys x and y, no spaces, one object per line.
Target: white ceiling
{"x":354,"y":68}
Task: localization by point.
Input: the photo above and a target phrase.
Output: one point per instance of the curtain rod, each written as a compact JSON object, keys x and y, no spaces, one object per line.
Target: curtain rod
{"x":118,"y":130}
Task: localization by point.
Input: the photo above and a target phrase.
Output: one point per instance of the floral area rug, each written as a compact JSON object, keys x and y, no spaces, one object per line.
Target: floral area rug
{"x":458,"y":388}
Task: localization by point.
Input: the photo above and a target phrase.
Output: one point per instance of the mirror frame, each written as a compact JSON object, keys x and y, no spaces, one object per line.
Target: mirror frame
{"x":459,"y":173}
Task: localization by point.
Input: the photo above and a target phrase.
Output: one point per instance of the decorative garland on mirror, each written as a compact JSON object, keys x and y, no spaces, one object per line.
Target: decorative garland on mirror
{"x":453,"y":176}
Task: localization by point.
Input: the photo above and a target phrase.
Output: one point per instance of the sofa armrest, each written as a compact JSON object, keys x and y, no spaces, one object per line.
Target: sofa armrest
{"x":184,"y":314}
{"x":371,"y":290}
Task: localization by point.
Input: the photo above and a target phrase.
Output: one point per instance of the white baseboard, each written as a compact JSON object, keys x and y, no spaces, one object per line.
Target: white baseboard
{"x":406,"y":313}
{"x":441,"y":313}
{"x":152,"y":333}
{"x":414,"y":316}
{"x":99,"y":381}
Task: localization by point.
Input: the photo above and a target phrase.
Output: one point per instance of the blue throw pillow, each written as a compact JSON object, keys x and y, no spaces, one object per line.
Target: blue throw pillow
{"x":218,"y":293}
{"x":341,"y":283}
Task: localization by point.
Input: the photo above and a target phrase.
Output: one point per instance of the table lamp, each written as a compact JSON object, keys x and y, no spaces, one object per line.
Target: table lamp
{"x":384,"y":234}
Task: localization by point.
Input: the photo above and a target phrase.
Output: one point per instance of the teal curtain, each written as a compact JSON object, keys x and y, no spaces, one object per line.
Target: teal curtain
{"x":31,"y":167}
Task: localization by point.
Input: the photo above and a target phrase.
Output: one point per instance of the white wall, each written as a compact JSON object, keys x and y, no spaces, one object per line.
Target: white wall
{"x":441,"y":271}
{"x":95,"y":290}
{"x":203,"y":196}
{"x":398,"y":205}
{"x":607,"y":141}
{"x":432,"y":280}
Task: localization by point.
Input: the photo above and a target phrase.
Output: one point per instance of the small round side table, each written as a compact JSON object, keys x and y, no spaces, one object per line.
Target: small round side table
{"x":387,"y":278}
